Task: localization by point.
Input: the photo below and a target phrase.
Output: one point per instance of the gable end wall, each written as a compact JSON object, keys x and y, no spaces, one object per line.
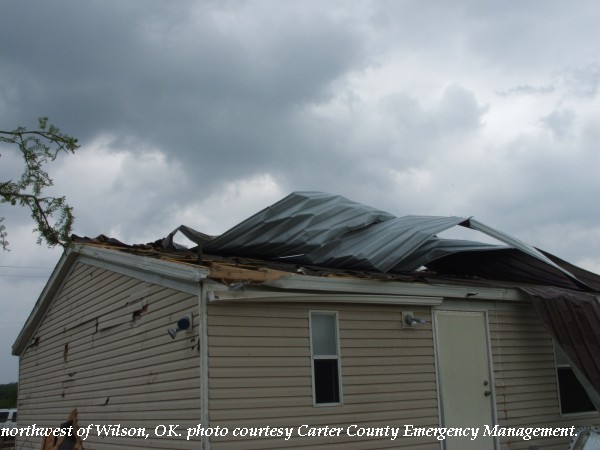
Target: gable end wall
{"x":103,"y":348}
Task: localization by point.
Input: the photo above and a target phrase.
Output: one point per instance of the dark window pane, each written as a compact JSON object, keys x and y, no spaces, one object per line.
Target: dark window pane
{"x":327,"y":388}
{"x":14,"y":419}
{"x":573,"y":397}
{"x":3,"y":416}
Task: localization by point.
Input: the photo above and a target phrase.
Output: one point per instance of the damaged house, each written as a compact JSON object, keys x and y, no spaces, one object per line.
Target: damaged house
{"x":317,"y":315}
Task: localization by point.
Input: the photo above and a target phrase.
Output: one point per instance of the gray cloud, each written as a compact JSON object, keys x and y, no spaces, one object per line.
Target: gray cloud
{"x":583,"y":81}
{"x":204,"y":112}
{"x":207,"y":92}
{"x":529,"y":90}
{"x":560,"y":122}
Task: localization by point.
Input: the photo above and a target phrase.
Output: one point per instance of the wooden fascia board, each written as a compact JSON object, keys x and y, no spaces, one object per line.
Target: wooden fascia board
{"x":220,"y":271}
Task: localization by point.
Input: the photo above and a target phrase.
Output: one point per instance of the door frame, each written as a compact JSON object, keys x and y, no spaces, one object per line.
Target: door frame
{"x":445,"y":308}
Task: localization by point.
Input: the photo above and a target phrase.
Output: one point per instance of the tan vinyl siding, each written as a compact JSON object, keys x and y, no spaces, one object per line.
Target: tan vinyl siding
{"x":260,"y":374}
{"x":103,"y":348}
{"x":525,"y":377}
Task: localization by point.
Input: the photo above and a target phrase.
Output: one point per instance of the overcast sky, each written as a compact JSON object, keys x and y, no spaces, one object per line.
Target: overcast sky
{"x":202,"y":113}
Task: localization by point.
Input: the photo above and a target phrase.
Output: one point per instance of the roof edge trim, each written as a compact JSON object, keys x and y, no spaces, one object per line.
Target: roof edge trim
{"x":177,"y":270}
{"x":398,"y":288}
{"x":284,"y":297}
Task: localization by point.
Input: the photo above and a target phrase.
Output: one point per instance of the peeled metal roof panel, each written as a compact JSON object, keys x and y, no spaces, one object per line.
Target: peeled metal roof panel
{"x":297,"y":224}
{"x":380,"y":246}
{"x":573,"y":319}
{"x":525,"y":248}
{"x":329,"y":230}
{"x":435,"y":249}
{"x":502,"y":264}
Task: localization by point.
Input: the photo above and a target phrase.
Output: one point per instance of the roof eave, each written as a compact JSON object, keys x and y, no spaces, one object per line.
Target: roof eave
{"x":308,"y":283}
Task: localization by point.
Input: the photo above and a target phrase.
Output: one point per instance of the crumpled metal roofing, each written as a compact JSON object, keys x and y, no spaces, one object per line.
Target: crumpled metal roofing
{"x":330,"y":230}
{"x":573,"y":319}
{"x":321,"y":229}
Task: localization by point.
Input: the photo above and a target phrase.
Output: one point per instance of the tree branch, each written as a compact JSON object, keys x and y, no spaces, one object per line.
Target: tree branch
{"x":37,"y":147}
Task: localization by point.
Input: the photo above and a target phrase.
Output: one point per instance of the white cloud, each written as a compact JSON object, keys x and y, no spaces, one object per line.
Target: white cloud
{"x":233,"y":202}
{"x":114,"y":190}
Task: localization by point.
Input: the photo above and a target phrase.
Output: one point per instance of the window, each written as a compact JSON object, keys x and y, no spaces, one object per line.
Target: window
{"x":572,"y":394}
{"x":325,"y":358}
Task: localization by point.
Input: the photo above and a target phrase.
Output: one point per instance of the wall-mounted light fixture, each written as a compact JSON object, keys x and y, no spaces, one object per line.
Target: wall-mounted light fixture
{"x":183,"y":324}
{"x":409,"y":320}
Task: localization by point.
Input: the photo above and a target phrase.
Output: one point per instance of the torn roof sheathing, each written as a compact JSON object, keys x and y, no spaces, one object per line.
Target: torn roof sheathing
{"x":315,"y":228}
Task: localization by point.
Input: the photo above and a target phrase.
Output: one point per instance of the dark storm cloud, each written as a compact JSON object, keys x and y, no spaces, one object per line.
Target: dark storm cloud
{"x":230,"y":89}
{"x":175,"y":78}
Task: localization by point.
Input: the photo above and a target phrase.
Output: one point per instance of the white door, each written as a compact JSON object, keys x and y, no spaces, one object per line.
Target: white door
{"x":465,"y":383}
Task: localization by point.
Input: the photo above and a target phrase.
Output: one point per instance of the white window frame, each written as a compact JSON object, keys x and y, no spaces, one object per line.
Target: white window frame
{"x":329,"y":357}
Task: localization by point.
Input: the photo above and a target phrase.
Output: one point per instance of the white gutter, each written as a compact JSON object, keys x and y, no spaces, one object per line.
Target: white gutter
{"x":175,"y":270}
{"x":394,"y":288}
{"x":291,"y":297}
